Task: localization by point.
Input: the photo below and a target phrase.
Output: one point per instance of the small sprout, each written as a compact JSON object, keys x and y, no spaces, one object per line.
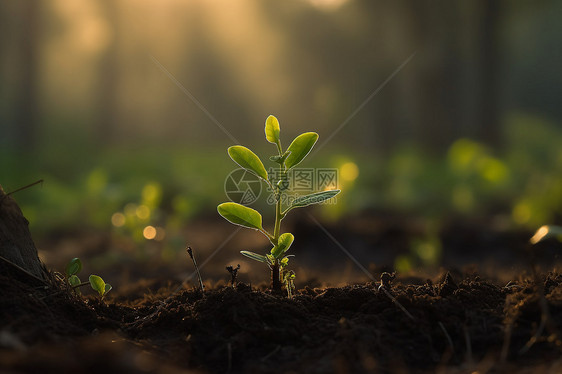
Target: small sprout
{"x":71,"y":272}
{"x":73,"y":267}
{"x":247,"y":217}
{"x":288,"y":281}
{"x":233,"y":273}
{"x":99,"y":285}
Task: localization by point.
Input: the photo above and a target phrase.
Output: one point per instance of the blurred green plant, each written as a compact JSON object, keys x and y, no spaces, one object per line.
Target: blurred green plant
{"x":239,"y":214}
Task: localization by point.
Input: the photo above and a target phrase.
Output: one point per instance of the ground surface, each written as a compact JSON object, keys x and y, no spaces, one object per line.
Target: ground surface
{"x":457,"y":323}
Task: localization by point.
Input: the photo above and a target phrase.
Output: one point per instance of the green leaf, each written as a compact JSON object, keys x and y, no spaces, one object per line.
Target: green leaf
{"x":97,"y":284}
{"x":73,"y":267}
{"x":314,"y":198}
{"x":283,"y":244}
{"x":272,"y":130}
{"x":241,"y":215}
{"x":546,"y":232}
{"x":248,"y":160}
{"x":299,"y":148}
{"x":107,"y":288}
{"x":254,"y":256}
{"x":73,"y":280}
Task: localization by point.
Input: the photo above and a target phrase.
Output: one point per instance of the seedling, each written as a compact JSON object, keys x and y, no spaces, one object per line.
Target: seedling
{"x":288,"y":281}
{"x":99,"y":285}
{"x":71,"y":274}
{"x":233,"y":273}
{"x":247,"y":217}
{"x":71,"y":271}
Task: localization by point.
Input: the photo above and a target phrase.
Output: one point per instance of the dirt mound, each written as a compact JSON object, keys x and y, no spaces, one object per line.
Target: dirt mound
{"x":453,"y":325}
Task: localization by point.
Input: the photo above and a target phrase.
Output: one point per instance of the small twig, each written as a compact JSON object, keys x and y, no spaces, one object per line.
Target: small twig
{"x":20,"y":189}
{"x":17,"y":267}
{"x":447,"y":336}
{"x":190,"y":252}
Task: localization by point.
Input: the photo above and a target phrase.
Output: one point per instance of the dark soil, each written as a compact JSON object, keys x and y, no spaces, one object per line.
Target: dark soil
{"x":456,"y":324}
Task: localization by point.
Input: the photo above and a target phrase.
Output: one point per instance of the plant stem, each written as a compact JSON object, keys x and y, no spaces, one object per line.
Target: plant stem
{"x":275,"y":281}
{"x":80,"y":285}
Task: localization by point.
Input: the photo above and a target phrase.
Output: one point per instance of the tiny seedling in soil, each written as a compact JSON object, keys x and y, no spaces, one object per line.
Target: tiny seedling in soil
{"x":233,"y":273}
{"x":99,"y":285}
{"x":247,"y":217}
{"x":96,"y":282}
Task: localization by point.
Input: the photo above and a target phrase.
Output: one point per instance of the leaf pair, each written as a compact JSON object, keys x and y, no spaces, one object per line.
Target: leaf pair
{"x":283,"y":244}
{"x":297,"y":151}
{"x":247,"y":217}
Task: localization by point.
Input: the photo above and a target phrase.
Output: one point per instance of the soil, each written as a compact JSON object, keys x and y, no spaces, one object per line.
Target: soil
{"x":457,"y":323}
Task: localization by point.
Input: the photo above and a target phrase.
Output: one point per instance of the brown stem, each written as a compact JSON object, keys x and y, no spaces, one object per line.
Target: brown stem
{"x":275,"y":281}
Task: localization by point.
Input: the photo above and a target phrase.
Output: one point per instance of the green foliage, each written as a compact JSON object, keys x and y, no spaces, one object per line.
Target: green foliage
{"x":300,"y":148}
{"x":99,"y":285}
{"x":241,"y":215}
{"x":96,"y":282}
{"x":314,"y":198}
{"x":289,"y":282}
{"x":254,"y":256}
{"x":283,"y":244}
{"x":74,"y":281}
{"x":73,"y":267}
{"x":272,"y":130}
{"x":250,"y":218}
{"x":247,"y":160}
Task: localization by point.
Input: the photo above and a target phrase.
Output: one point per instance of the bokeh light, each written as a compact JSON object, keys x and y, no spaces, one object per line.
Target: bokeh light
{"x":149,"y":232}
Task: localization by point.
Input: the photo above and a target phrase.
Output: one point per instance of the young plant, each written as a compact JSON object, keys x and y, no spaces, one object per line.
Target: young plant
{"x":71,"y":271}
{"x":247,"y":217}
{"x":97,"y":283}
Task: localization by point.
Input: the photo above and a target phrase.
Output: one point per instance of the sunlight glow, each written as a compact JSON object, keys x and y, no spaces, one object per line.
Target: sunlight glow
{"x":328,"y":4}
{"x":539,"y":235}
{"x":149,"y":232}
{"x":118,"y":219}
{"x":521,"y":213}
{"x":349,"y":171}
{"x":143,"y":212}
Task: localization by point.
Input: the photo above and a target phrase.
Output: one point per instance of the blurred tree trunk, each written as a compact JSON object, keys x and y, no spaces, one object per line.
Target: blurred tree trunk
{"x":108,"y":73}
{"x":26,"y":104}
{"x":437,"y":65}
{"x":487,"y":126}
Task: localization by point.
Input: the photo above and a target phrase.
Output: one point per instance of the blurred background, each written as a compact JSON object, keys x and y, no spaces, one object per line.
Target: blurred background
{"x":442,"y":117}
